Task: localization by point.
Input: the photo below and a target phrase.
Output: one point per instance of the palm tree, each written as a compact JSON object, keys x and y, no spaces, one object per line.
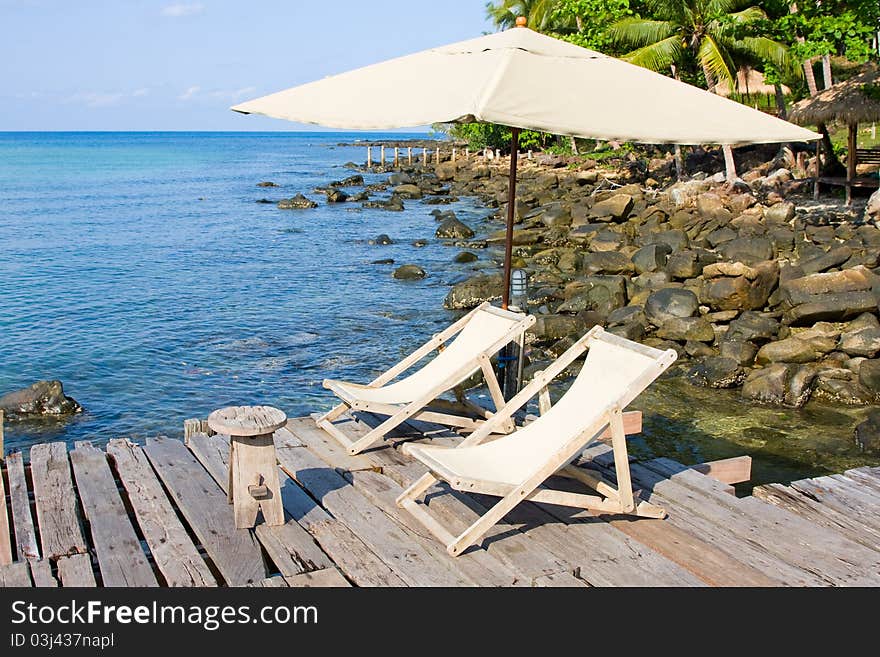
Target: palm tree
{"x":538,"y":13}
{"x":708,"y":33}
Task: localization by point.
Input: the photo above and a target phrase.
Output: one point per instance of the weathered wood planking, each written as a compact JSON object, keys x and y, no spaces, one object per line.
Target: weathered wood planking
{"x":324,"y":578}
{"x":234,"y":552}
{"x":61,"y":532}
{"x":812,"y":548}
{"x":396,"y":546}
{"x":41,"y":573}
{"x":176,"y":557}
{"x":15,"y":575}
{"x":325,"y":446}
{"x":846,"y":497}
{"x":121,"y":559}
{"x":528,"y":560}
{"x":5,"y":535}
{"x":480,"y":566}
{"x":76,"y":571}
{"x":821,"y":514}
{"x":291,"y":548}
{"x":22,"y":519}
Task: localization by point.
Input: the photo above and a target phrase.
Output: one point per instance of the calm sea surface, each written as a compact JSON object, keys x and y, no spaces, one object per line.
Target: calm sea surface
{"x":139,"y":269}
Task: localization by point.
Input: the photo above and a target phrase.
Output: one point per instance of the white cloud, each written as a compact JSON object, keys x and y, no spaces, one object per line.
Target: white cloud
{"x":190,"y":93}
{"x":180,"y":10}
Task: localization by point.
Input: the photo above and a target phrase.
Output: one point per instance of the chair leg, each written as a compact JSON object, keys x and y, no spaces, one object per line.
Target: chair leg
{"x":332,"y":414}
{"x":621,"y":462}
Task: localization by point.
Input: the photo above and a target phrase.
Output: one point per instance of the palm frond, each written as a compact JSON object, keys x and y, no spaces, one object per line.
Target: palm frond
{"x":668,"y":10}
{"x":748,"y":15}
{"x":657,"y":56}
{"x":715,"y":62}
{"x":639,"y":32}
{"x":764,"y":49}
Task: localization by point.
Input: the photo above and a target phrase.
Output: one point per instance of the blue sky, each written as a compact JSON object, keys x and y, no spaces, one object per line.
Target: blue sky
{"x":180,"y":64}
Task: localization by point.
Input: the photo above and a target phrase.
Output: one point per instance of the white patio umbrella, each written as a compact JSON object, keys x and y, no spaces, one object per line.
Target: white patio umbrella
{"x":525,"y":80}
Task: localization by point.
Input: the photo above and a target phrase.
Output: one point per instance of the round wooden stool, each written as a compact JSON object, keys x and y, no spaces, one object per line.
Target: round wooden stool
{"x":253,"y":470}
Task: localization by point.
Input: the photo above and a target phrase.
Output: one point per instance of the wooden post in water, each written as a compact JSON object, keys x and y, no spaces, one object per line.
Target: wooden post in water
{"x":425,"y":156}
{"x":453,"y":155}
{"x":409,"y":155}
{"x":369,"y":156}
{"x":530,"y":154}
{"x":382,"y":155}
{"x":396,"y":160}
{"x":467,"y":153}
{"x":2,"y":447}
{"x":497,"y":153}
{"x":437,"y":160}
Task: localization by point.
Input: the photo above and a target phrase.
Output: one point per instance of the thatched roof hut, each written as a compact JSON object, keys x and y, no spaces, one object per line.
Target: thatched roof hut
{"x":852,"y":101}
{"x":748,"y":82}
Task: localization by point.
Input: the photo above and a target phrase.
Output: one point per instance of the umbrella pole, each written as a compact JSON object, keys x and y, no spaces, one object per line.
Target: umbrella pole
{"x":511,"y":215}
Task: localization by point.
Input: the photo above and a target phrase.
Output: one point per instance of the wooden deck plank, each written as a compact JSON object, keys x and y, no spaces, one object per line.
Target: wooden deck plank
{"x":291,"y":548}
{"x":22,"y":519}
{"x":203,"y":504}
{"x":844,"y":495}
{"x":61,"y":532}
{"x":821,"y":551}
{"x":5,"y":534}
{"x":864,"y":477}
{"x":176,"y":557}
{"x":324,"y":578}
{"x":15,"y":575}
{"x":695,"y":515}
{"x":396,"y":546}
{"x":483,"y":568}
{"x":323,"y":445}
{"x":41,"y":572}
{"x":457,"y":511}
{"x":76,"y":571}
{"x":120,"y":557}
{"x":821,"y":514}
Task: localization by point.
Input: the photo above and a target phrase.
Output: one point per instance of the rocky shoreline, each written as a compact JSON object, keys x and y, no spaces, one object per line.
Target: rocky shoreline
{"x":755,"y":289}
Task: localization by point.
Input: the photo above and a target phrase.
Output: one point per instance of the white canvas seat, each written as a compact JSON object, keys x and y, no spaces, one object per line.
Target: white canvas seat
{"x":480,"y":334}
{"x":515,"y":466}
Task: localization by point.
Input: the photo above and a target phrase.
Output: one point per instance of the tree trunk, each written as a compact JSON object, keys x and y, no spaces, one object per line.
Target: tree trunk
{"x":833,"y":166}
{"x":780,"y":102}
{"x":729,"y":163}
{"x":826,"y":71}
{"x":809,"y":75}
{"x":574,"y":146}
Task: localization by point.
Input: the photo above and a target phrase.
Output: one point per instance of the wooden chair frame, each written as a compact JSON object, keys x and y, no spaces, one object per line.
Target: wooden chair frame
{"x":620,"y":499}
{"x":428,"y":407}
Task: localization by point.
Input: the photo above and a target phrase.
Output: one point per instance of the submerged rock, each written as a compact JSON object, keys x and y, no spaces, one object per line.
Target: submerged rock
{"x":43,"y":398}
{"x":717,"y":372}
{"x":381,"y":240}
{"x":298,"y":202}
{"x":454,"y":229}
{"x":409,"y":273}
{"x":867,"y":434}
{"x":474,"y":291}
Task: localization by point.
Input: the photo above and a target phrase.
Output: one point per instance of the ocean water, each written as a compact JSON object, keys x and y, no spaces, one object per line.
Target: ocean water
{"x":139,"y":270}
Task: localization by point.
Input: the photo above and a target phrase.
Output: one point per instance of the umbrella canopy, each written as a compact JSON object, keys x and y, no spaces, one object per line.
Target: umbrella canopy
{"x":852,"y":101}
{"x":524,"y":79}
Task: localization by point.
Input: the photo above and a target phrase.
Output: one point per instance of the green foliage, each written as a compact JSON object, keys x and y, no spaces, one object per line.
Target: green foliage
{"x":489,"y":135}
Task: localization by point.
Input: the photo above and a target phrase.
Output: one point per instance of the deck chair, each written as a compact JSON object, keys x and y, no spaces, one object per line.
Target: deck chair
{"x":515,"y":466}
{"x":480,"y":334}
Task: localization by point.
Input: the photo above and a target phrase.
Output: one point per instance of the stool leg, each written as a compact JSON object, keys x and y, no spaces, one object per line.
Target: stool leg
{"x":256,"y":486}
{"x":231,"y":468}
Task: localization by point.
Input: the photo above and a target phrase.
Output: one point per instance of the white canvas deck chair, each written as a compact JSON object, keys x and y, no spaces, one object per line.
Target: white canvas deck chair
{"x":515,"y":466}
{"x":480,"y":334}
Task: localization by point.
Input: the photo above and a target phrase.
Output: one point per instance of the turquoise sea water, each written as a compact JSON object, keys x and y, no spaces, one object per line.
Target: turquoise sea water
{"x":140,"y":271}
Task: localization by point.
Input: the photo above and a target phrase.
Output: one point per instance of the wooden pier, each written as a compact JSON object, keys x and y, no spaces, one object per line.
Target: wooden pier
{"x":157,"y":515}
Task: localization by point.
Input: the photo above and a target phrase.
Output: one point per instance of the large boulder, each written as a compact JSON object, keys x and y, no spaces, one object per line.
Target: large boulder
{"x":606,"y":262}
{"x":550,"y":328}
{"x":650,"y":258}
{"x":867,"y":433}
{"x":872,"y":209}
{"x":474,"y":291}
{"x":454,"y":229}
{"x":834,"y":307}
{"x":43,"y":398}
{"x":747,"y":292}
{"x":408,"y":191}
{"x":805,"y":289}
{"x":790,"y":350}
{"x":716,"y":372}
{"x":768,"y":385}
{"x":862,"y":337}
{"x":669,"y":303}
{"x":600,"y":293}
{"x":445,"y":170}
{"x":555,"y":215}
{"x":616,"y":207}
{"x":750,"y":250}
{"x":682,"y":329}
